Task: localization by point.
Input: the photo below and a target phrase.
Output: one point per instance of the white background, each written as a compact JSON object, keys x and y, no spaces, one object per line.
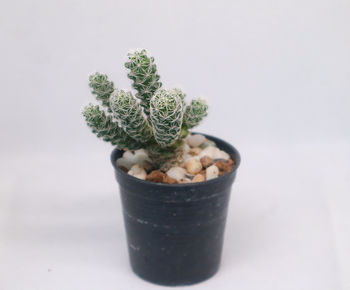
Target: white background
{"x":276,"y":75}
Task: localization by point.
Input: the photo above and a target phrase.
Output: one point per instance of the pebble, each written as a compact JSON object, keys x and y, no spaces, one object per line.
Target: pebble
{"x":193,"y":166}
{"x":169,"y":180}
{"x":224,"y":166}
{"x":138,"y":172}
{"x":203,"y":172}
{"x":214,"y":153}
{"x":195,"y":151}
{"x":128,"y":155}
{"x":188,"y":157}
{"x":140,"y":157}
{"x":195,"y":140}
{"x":124,"y":163}
{"x":222,"y":155}
{"x":176,"y":172}
{"x":206,"y":161}
{"x":129,"y":159}
{"x":207,"y":143}
{"x":198,"y":178}
{"x":212,"y":172}
{"x":184,"y":180}
{"x":156,"y":176}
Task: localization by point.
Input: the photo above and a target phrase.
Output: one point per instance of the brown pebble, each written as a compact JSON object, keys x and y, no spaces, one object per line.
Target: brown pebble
{"x":169,"y":180}
{"x":206,"y":161}
{"x":124,"y":168}
{"x":147,"y":166}
{"x":224,"y":166}
{"x":156,"y":176}
{"x":198,"y":178}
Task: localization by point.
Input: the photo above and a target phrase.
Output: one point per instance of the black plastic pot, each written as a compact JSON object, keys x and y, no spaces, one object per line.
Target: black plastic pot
{"x":175,"y":232}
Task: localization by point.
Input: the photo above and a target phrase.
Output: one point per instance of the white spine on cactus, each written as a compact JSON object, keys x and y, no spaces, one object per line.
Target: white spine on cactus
{"x":129,"y":113}
{"x":166,"y":114}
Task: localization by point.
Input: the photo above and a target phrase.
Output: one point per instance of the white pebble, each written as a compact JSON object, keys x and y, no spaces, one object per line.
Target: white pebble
{"x":188,"y":157}
{"x":222,"y":155}
{"x":212,"y":172}
{"x":140,"y":157}
{"x":138,"y":172}
{"x":128,"y":155}
{"x":210,"y":151}
{"x":129,"y":159}
{"x":195,"y":140}
{"x":214,"y":153}
{"x":123,"y":162}
{"x":207,"y":143}
{"x":176,"y":172}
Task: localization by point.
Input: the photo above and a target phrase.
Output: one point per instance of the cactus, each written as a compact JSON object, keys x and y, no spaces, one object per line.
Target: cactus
{"x":143,"y":73}
{"x":102,"y":88}
{"x":126,"y":109}
{"x":156,"y":119}
{"x":166,"y":116}
{"x":103,"y":126}
{"x":195,"y":112}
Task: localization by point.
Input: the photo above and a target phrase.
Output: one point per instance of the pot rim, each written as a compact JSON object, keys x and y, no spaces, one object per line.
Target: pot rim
{"x":182,"y":185}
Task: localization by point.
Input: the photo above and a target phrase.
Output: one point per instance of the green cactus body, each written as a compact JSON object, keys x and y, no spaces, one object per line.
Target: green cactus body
{"x":128,"y":111}
{"x":166,"y":114}
{"x":166,"y":157}
{"x":102,"y":88}
{"x":180,"y":94}
{"x":195,"y":112}
{"x":157,"y":120}
{"x":103,"y":126}
{"x":143,"y":73}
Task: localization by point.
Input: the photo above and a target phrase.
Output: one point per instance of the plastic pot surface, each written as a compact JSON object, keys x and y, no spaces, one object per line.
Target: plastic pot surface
{"x":175,"y":231}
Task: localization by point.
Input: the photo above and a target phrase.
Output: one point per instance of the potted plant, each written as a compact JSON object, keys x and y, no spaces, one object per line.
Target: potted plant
{"x":174,"y":185}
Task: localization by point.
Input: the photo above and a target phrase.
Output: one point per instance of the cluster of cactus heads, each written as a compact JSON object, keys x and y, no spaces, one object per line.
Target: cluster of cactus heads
{"x":155,"y":119}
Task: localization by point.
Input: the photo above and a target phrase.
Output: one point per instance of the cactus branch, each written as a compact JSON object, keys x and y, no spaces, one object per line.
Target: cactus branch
{"x":166,"y":114}
{"x":143,"y":73}
{"x":195,"y":112}
{"x":101,"y":87}
{"x":128,"y":112}
{"x":167,"y":157}
{"x":103,"y":126}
